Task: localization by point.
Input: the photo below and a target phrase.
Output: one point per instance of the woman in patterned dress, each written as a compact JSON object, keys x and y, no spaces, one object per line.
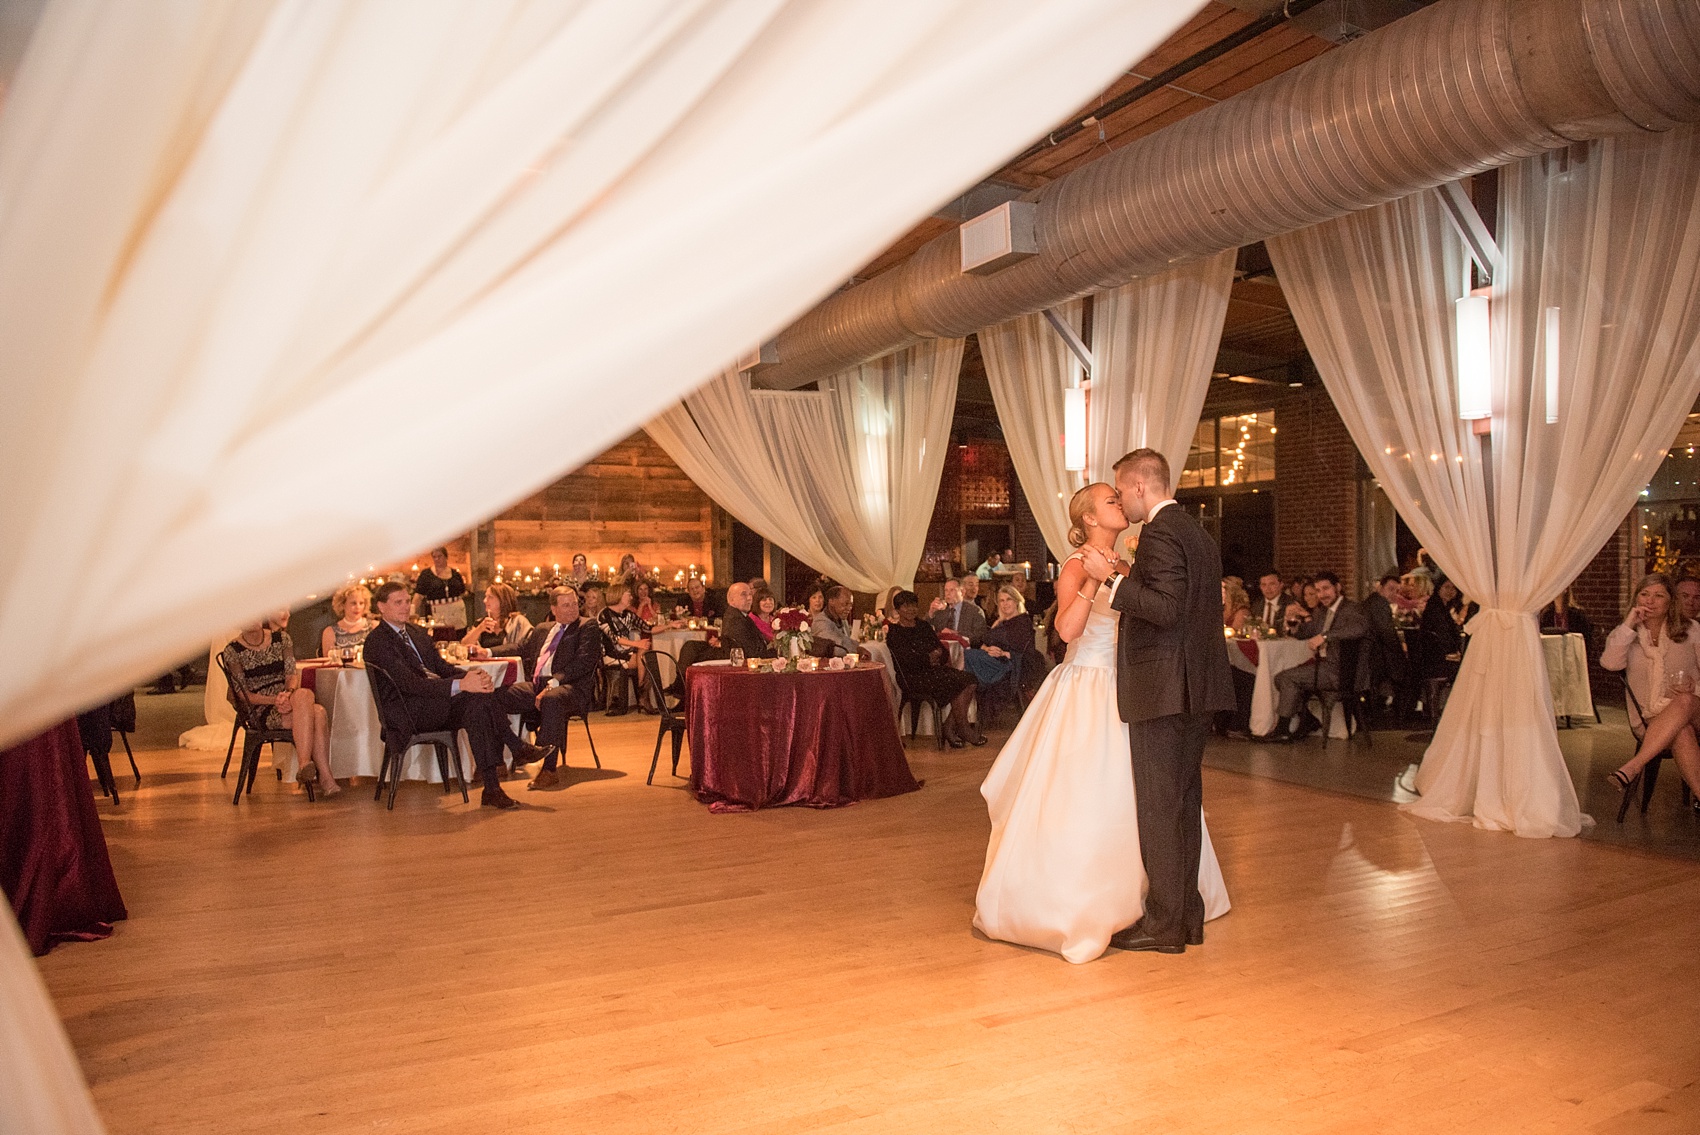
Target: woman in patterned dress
{"x":262,"y":665}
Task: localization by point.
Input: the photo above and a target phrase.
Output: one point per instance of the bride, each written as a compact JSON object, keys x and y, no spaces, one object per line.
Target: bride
{"x":1063,"y":868}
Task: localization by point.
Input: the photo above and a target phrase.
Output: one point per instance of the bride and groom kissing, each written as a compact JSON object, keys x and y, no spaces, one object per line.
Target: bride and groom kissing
{"x":1098,"y":835}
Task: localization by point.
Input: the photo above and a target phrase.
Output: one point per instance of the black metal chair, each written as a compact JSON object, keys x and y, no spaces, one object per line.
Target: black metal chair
{"x":672,"y":721}
{"x":614,"y":674}
{"x":912,"y":700}
{"x":117,"y":716}
{"x":1355,"y":700}
{"x":397,"y":731}
{"x":251,"y":718}
{"x":1649,"y":775}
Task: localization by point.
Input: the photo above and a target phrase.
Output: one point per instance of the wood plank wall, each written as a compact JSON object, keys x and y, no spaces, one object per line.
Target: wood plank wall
{"x":630,"y":498}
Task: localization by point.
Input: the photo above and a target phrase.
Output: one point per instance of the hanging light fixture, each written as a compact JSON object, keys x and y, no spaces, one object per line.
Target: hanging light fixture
{"x":1475,"y":358}
{"x":1074,"y":429}
{"x":1552,"y":365}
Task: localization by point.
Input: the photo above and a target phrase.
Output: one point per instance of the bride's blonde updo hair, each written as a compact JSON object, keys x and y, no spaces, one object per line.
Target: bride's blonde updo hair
{"x":1078,"y":506}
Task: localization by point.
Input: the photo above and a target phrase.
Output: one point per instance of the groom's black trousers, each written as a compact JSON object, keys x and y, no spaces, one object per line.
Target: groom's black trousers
{"x":1168,"y":762}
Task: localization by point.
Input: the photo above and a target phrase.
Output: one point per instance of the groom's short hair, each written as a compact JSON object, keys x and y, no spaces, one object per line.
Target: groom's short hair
{"x":1147,"y":465}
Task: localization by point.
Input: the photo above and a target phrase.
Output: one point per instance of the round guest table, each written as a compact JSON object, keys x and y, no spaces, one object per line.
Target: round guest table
{"x":821,"y":739}
{"x":666,"y":645}
{"x":356,"y":750}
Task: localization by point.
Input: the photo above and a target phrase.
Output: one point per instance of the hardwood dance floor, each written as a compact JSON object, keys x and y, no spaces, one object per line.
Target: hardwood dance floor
{"x":615,"y":959}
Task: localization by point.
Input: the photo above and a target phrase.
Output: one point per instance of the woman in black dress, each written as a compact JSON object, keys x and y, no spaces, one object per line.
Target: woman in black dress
{"x":922,"y":668}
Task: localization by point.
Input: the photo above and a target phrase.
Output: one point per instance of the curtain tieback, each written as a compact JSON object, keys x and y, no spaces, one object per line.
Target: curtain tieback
{"x":1502,"y":618}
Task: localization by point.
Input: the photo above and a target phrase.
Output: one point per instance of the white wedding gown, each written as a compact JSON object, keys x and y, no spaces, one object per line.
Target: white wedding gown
{"x":1063,"y":871}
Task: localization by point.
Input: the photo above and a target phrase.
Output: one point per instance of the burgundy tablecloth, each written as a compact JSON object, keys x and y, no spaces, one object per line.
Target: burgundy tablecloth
{"x":53,"y":862}
{"x":822,"y":740}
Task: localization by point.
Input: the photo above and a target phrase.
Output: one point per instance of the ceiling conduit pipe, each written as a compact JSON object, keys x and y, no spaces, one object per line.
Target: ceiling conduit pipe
{"x":1461,"y":87}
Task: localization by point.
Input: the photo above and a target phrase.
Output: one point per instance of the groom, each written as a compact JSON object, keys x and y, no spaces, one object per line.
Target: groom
{"x":1172,"y":677}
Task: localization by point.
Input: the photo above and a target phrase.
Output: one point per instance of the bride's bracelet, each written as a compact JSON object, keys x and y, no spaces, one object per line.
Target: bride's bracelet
{"x":1085,"y":596}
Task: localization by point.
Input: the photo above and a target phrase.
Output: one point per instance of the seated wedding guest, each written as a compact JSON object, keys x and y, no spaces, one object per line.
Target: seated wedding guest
{"x":1564,"y":617}
{"x":560,"y":658}
{"x":1440,"y":619}
{"x":1416,"y":588}
{"x":627,"y":641}
{"x":437,"y":695}
{"x":595,"y":600}
{"x":971,"y":593}
{"x":1296,"y":589}
{"x":351,"y":603}
{"x":440,"y":584}
{"x":647,"y":608}
{"x":628,"y":570}
{"x":1236,"y":606}
{"x":261,"y":662}
{"x":954,"y":612}
{"x":1388,"y":666}
{"x":762,"y":611}
{"x":1311,"y":596}
{"x":1687,"y":597}
{"x":815,"y":601}
{"x":1271,"y":604}
{"x":831,"y":628}
{"x":738,"y":630}
{"x":1009,"y":638}
{"x":1335,"y":620}
{"x":987,"y":569}
{"x":502,"y":624}
{"x":1658,"y":651}
{"x":698,"y":603}
{"x":580,"y":572}
{"x":923,"y":667}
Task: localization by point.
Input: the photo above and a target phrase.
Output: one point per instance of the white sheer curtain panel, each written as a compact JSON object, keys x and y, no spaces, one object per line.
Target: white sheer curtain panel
{"x":1027,"y":367}
{"x":262,"y":264}
{"x":844,"y":477}
{"x":1608,"y":234}
{"x":1154,"y":342}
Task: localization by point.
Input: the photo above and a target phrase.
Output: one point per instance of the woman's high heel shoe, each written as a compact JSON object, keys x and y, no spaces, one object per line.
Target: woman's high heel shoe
{"x":1626,"y":783}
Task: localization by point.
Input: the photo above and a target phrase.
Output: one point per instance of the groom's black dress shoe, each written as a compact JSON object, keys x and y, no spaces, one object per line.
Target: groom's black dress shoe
{"x":1135,"y":939}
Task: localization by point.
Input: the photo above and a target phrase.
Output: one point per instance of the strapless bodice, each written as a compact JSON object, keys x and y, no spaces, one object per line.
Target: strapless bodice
{"x":1096,"y":645}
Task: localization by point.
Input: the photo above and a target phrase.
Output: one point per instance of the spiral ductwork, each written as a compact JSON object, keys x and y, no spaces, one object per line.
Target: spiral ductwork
{"x":1461,"y":87}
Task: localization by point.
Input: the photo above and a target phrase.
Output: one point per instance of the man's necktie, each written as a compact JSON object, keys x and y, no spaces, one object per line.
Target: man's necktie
{"x":411,"y":645}
{"x":548,"y":654}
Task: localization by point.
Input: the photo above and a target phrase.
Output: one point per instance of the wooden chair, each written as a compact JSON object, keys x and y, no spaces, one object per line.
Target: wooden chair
{"x":1354,"y":701}
{"x":397,"y":731}
{"x":673,"y":721}
{"x":1650,"y":775}
{"x":252,"y":719}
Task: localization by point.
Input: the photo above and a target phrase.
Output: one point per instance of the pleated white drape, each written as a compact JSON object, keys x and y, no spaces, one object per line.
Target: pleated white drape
{"x":1027,"y":367}
{"x":261,"y":265}
{"x":1154,"y":342}
{"x":844,"y":477}
{"x":1609,"y":234}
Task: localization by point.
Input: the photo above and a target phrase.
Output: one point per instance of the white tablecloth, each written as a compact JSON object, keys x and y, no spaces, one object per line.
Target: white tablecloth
{"x":1567,"y":673}
{"x":667,"y":644}
{"x":1273,"y":656}
{"x":924,"y":722}
{"x":346,"y":694}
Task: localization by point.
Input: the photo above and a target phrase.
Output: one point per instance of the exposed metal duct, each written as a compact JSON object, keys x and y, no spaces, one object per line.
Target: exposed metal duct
{"x":1461,"y":87}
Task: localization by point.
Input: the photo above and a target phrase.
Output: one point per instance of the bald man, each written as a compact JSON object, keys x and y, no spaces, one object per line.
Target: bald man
{"x":736,"y":629}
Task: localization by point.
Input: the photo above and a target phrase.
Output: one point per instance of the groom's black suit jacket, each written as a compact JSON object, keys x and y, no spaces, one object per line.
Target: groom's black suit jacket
{"x":1169,"y":653}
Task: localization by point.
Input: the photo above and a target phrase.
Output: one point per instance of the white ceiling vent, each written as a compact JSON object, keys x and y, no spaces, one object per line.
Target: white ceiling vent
{"x":996,"y":239}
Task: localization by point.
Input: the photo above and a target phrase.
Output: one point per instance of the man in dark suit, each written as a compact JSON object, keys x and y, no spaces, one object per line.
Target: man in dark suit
{"x":560,"y":658}
{"x":955,"y":613}
{"x":1387,"y":661}
{"x":1270,"y":607}
{"x":1335,"y":620}
{"x":435,"y":694}
{"x":1171,"y":679}
{"x":736,"y":629}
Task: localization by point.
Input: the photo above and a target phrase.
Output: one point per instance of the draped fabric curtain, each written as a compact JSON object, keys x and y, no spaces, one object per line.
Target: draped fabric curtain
{"x":1608,"y":234}
{"x":845,"y":477}
{"x":1027,"y":367}
{"x":263,"y":265}
{"x":1154,"y":342}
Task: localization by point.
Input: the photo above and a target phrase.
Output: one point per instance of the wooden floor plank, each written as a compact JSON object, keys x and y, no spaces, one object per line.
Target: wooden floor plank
{"x":613,"y":958}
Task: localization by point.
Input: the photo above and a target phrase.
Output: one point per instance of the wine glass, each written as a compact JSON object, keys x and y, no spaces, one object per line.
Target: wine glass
{"x":1678,"y":681}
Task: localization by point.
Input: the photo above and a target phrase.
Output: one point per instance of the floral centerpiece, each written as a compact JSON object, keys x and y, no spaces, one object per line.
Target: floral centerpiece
{"x":792,"y":637}
{"x":873,"y":627}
